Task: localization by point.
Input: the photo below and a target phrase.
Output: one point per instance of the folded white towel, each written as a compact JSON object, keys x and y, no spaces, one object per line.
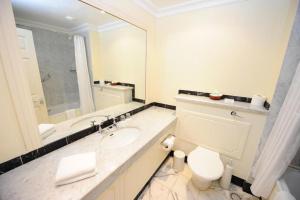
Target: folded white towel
{"x":46,"y":130}
{"x":75,"y":168}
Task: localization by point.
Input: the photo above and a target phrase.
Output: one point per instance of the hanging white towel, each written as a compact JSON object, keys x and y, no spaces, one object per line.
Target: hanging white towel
{"x":46,"y":130}
{"x":75,"y":168}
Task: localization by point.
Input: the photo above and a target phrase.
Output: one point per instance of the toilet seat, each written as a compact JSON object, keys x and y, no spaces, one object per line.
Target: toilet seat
{"x":205,"y":163}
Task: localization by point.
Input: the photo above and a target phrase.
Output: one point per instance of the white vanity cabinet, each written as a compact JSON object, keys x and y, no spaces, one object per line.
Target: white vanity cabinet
{"x":106,"y":95}
{"x":133,"y":179}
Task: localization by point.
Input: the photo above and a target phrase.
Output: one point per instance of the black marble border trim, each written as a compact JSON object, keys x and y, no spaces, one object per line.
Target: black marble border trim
{"x":125,"y":84}
{"x":162,"y":105}
{"x":236,"y":98}
{"x":25,"y":158}
{"x":150,"y":179}
{"x":138,"y":100}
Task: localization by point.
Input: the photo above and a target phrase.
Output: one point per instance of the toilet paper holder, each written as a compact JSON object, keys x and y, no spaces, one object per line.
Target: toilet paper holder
{"x":169,"y":135}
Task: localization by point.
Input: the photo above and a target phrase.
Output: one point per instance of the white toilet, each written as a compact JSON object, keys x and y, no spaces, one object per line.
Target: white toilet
{"x":206,"y":166}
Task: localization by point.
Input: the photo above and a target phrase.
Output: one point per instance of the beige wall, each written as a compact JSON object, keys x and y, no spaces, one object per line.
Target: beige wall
{"x":121,"y":56}
{"x":11,"y":141}
{"x":235,"y":48}
{"x":129,"y":11}
{"x":191,"y":48}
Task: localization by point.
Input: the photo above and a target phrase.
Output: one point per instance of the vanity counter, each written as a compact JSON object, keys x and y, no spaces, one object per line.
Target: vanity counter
{"x":114,"y":87}
{"x":64,"y":129}
{"x":36,"y":179}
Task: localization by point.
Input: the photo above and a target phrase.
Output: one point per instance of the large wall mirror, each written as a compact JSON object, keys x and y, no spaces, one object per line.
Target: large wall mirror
{"x":82,"y":64}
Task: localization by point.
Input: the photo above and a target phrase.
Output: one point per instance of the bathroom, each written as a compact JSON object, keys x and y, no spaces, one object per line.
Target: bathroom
{"x":149,"y":99}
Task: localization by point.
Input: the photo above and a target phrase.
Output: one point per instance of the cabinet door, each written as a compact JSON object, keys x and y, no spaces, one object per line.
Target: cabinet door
{"x":140,"y":172}
{"x":114,"y":192}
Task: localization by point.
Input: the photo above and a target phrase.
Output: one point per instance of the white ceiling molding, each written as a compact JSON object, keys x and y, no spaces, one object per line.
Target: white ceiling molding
{"x":150,"y":7}
{"x":112,"y":25}
{"x":26,"y":22}
{"x":78,"y":29}
{"x":83,"y":28}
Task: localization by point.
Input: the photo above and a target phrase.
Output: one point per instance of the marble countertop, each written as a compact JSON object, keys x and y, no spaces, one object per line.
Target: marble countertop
{"x":115,"y":87}
{"x":243,"y":106}
{"x":64,"y":129}
{"x":35,"y":180}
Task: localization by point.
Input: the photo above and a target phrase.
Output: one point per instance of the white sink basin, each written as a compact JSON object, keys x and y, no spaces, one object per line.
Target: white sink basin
{"x":86,"y":122}
{"x":120,"y":137}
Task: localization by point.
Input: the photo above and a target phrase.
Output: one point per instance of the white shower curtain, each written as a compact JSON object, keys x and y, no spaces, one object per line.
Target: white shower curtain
{"x":282,"y":143}
{"x":83,"y":78}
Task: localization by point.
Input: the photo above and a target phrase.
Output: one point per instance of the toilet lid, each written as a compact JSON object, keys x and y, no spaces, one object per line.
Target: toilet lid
{"x":206,"y":163}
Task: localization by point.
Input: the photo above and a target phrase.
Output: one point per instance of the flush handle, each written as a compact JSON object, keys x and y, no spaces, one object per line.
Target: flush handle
{"x":233,"y":113}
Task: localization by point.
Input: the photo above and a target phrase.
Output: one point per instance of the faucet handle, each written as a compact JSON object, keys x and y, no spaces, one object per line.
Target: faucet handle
{"x":128,"y":115}
{"x":107,"y":117}
{"x":122,"y":117}
{"x":93,"y":123}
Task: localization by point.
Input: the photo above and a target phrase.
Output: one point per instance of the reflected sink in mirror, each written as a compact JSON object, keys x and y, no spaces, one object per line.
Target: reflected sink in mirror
{"x":86,"y":122}
{"x":120,"y":137}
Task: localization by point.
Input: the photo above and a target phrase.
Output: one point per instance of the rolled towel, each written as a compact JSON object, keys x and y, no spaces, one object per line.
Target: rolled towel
{"x":46,"y":130}
{"x":76,"y":167}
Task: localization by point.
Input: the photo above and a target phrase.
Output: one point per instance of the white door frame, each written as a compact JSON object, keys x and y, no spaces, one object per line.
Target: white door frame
{"x":10,"y":59}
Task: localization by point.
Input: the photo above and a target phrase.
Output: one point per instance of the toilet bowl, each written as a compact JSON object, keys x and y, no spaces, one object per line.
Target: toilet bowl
{"x":206,"y":166}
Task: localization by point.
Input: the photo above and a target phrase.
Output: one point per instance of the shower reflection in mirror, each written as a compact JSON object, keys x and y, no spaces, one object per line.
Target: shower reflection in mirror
{"x":80,"y":66}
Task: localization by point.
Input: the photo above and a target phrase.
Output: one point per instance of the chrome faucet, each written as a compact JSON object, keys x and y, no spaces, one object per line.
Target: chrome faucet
{"x":93,"y":123}
{"x":115,"y":124}
{"x":107,"y":116}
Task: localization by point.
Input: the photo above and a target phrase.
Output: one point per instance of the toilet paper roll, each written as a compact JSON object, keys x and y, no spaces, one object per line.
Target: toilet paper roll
{"x":258,"y":100}
{"x":168,"y":143}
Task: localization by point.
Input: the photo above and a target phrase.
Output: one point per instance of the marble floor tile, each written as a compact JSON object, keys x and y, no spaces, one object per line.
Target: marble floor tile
{"x":185,"y":189}
{"x":168,"y":185}
{"x":156,"y":191}
{"x":166,"y":175}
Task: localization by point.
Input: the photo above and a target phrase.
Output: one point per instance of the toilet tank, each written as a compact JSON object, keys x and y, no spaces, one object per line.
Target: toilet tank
{"x":210,"y":124}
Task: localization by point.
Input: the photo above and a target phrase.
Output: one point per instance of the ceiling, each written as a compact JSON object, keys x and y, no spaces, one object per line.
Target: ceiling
{"x":161,"y":8}
{"x":167,"y":3}
{"x":54,"y":12}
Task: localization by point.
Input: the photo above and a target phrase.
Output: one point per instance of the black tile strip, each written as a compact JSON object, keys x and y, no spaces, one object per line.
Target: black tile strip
{"x":237,"y":181}
{"x":11,"y":164}
{"x":138,"y":100}
{"x":23,"y":159}
{"x":52,"y":146}
{"x":81,"y":134}
{"x":30,"y":156}
{"x":164,"y":106}
{"x":236,"y":98}
{"x":246,"y":187}
{"x":150,"y":179}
